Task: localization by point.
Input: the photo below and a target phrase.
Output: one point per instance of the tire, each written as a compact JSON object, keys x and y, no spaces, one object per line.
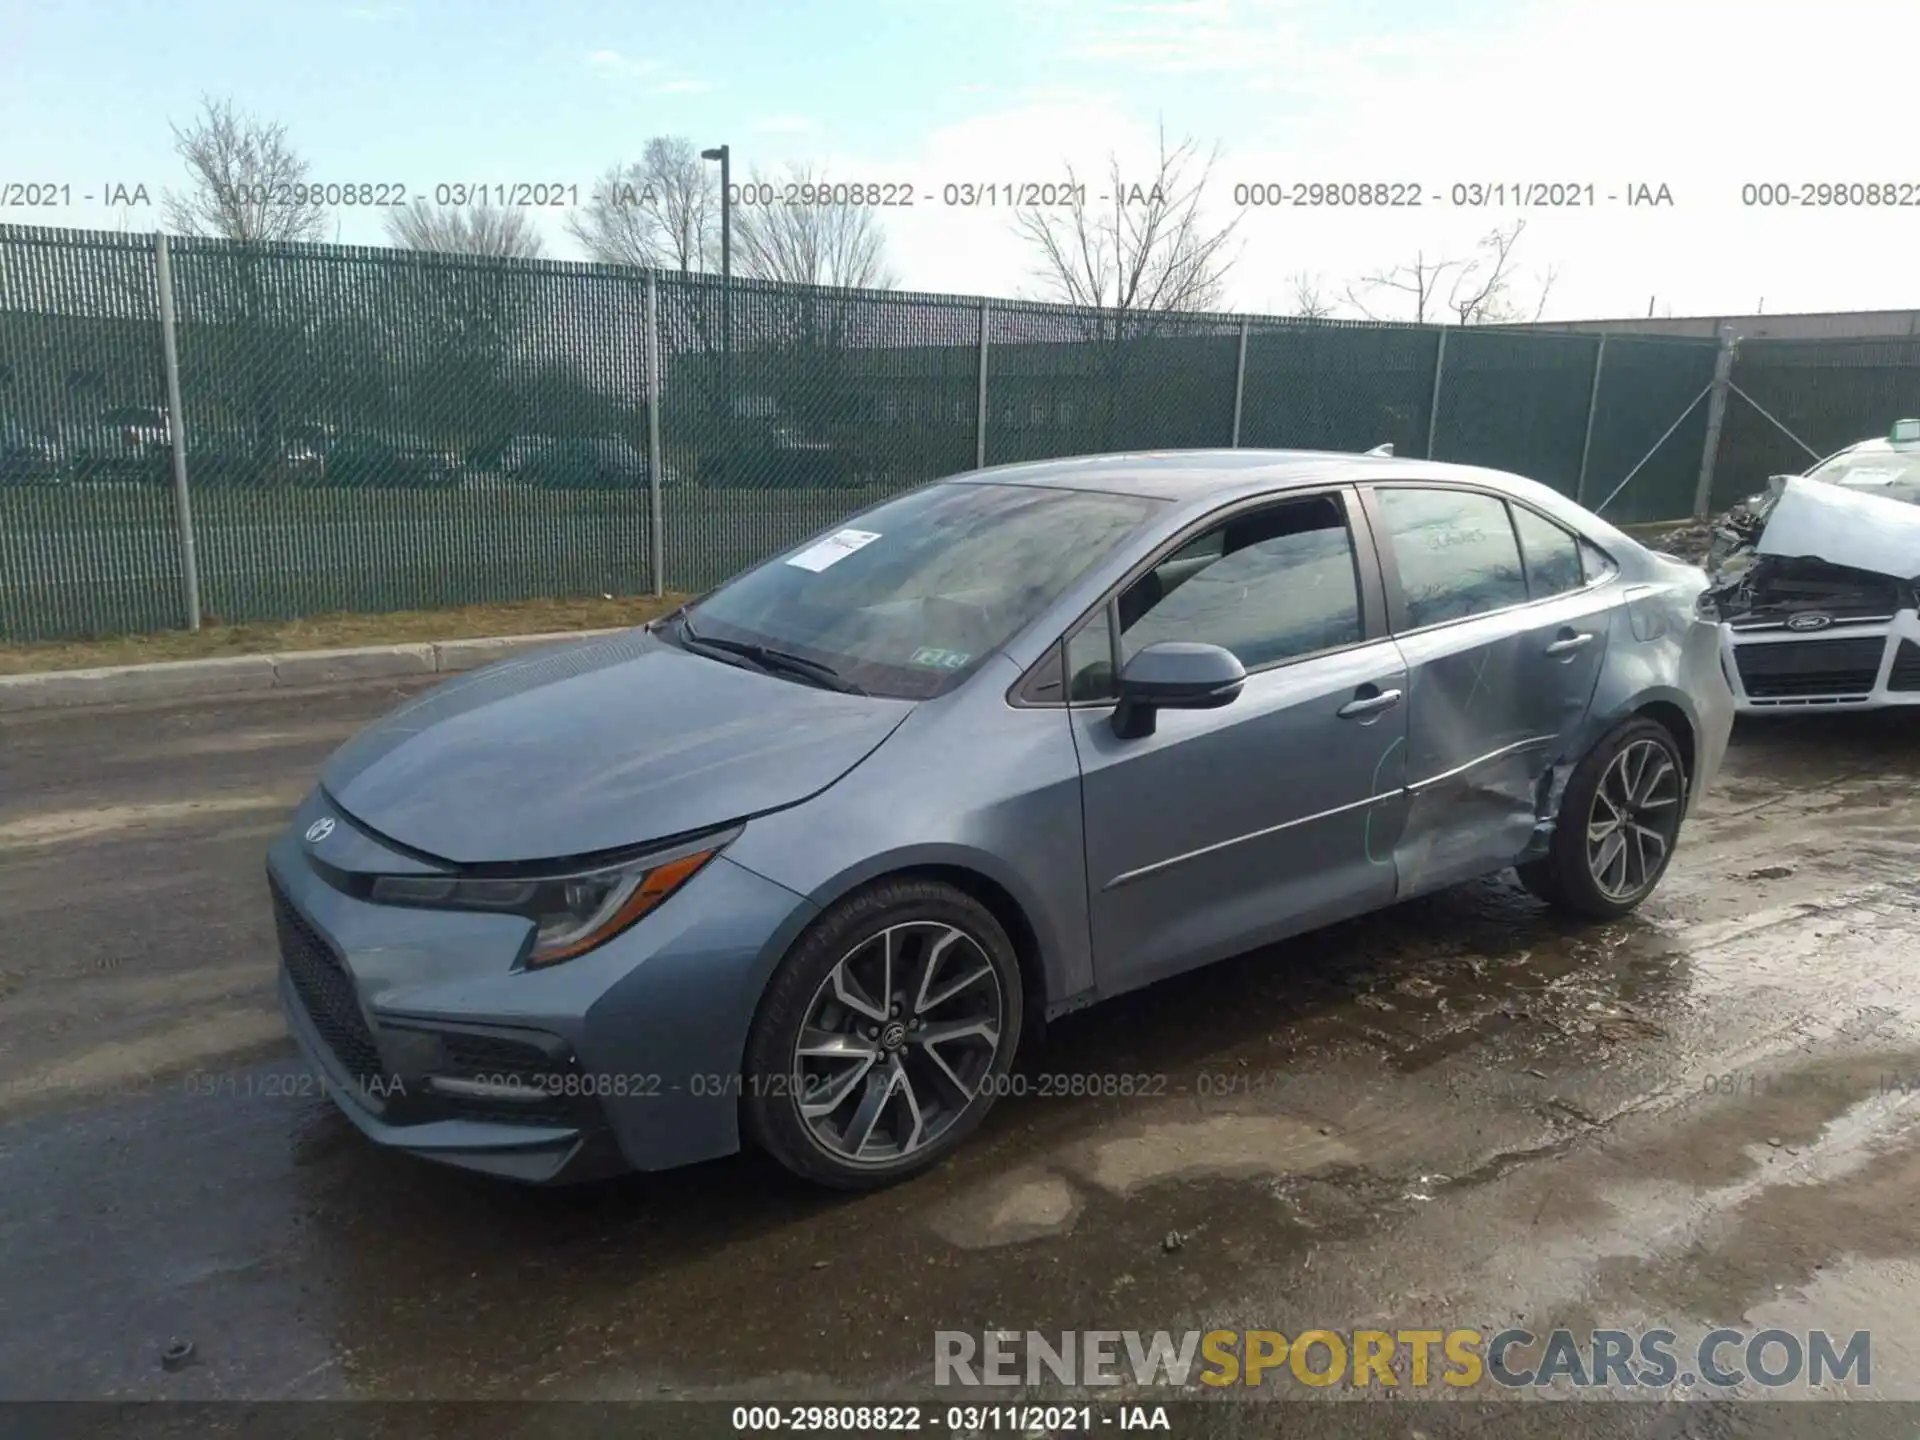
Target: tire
{"x":1566,"y":876}
{"x":949,"y":1083}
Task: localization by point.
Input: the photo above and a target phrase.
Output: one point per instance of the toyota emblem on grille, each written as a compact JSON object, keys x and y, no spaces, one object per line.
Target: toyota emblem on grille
{"x":319,"y":830}
{"x":1809,"y":620}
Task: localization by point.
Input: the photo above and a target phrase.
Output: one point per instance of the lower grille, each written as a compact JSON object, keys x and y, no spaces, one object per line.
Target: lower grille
{"x":328,"y":995}
{"x":1791,"y":669}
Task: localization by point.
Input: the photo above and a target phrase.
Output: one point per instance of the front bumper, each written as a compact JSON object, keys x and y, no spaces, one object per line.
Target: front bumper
{"x":431,"y":1041}
{"x":1848,"y":666}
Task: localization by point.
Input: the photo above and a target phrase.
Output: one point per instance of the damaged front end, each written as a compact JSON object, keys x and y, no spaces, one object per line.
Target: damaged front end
{"x":1814,"y":586}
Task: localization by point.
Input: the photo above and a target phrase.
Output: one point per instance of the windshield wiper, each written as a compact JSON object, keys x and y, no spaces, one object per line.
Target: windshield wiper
{"x":766,"y":657}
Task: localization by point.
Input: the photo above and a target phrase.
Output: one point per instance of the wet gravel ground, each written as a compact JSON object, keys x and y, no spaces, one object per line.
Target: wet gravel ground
{"x":1464,"y":1111}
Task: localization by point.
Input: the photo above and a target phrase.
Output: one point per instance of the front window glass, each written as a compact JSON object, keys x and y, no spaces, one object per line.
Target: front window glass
{"x":1269,"y":585}
{"x":907,"y":597}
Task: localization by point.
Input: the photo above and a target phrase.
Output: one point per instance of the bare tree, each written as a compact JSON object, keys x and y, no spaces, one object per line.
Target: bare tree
{"x":244,"y":180}
{"x":1135,"y":249}
{"x":1419,"y":281}
{"x":479,"y":230}
{"x":839,"y":244}
{"x":662,"y":212}
{"x":1484,"y":294}
{"x":1309,"y":298}
{"x":1478,"y":289}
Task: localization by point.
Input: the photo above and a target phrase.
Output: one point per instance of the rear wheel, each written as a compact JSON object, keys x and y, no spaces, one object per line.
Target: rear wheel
{"x":1619,"y":821}
{"x":880,"y":1041}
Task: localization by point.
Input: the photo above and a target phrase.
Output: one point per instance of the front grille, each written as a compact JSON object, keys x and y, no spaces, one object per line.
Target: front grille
{"x":327,"y":993}
{"x":1793,"y":669}
{"x":1906,"y":667}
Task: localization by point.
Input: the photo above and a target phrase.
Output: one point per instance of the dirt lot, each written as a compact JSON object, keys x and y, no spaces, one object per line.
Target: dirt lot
{"x":1460,"y":1112}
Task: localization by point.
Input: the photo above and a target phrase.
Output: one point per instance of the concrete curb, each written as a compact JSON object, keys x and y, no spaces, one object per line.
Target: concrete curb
{"x":240,"y":674}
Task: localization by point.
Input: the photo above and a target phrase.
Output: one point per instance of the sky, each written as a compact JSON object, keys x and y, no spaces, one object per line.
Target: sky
{"x":1701,"y":97}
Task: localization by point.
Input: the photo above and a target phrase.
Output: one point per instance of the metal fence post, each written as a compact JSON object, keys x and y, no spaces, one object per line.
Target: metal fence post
{"x":1239,"y":384}
{"x":1433,"y":403}
{"x":1716,"y":416}
{"x":1593,"y":408}
{"x":656,"y":528}
{"x":177,"y":431}
{"x":980,"y":397}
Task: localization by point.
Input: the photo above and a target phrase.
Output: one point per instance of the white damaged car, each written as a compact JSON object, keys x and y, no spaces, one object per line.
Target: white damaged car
{"x":1816,"y":583}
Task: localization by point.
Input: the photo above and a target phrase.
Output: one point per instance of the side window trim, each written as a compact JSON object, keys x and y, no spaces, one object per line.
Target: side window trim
{"x":1390,"y":570}
{"x":1368,"y":560}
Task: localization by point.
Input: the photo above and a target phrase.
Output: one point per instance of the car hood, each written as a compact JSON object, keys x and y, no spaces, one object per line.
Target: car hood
{"x":597,"y":746}
{"x":1843,"y":525}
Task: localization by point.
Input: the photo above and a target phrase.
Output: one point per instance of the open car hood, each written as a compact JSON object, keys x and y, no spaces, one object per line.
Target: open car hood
{"x":1810,"y":519}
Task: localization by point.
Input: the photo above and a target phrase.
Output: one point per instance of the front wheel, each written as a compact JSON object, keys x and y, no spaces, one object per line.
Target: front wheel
{"x":881,"y":1039}
{"x":1619,"y":821}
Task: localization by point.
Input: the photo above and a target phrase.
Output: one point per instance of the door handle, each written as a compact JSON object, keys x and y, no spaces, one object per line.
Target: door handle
{"x":1369,"y":705}
{"x":1567,"y":644}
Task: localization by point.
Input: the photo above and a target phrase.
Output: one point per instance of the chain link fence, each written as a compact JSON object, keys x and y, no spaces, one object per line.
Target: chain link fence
{"x":368,"y":429}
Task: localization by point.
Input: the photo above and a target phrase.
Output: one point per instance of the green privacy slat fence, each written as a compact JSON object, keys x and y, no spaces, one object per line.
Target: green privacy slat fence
{"x":369,"y":429}
{"x":1646,"y":384}
{"x":374,"y":431}
{"x":1516,"y":400}
{"x":1829,"y":393}
{"x":783,"y":409}
{"x":80,"y":378}
{"x":1338,"y":387}
{"x":1066,"y":382}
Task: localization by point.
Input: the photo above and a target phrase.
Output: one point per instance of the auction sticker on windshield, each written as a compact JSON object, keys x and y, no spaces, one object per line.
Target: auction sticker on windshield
{"x":940,"y":659}
{"x":830,"y":551}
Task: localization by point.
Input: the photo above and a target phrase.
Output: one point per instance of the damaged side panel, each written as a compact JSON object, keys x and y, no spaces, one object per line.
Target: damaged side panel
{"x":1494,"y":714}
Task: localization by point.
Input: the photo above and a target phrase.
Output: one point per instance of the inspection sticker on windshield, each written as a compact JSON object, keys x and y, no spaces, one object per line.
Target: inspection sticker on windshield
{"x":835,"y":548}
{"x":940,"y":659}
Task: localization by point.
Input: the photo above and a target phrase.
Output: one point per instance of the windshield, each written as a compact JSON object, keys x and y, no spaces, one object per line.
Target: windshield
{"x":906,"y":598}
{"x":1892,"y":472}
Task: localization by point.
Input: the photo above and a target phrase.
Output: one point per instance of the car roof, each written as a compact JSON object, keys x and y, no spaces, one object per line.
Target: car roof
{"x":1214,"y":474}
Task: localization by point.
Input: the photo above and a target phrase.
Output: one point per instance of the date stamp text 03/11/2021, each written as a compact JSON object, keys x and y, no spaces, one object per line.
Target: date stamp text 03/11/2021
{"x":974,"y":193}
{"x":984,"y":193}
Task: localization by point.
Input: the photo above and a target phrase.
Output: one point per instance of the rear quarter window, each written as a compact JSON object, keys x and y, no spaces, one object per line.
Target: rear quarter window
{"x":1551,"y":554}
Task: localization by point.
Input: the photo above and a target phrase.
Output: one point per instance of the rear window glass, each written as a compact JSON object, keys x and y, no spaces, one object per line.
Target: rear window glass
{"x":1455,"y":552}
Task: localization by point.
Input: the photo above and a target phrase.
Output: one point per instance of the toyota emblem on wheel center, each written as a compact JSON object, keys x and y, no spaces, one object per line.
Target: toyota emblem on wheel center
{"x":319,"y":830}
{"x":1809,"y":620}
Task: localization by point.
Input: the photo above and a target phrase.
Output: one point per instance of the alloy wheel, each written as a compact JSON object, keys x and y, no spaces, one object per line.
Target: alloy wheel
{"x":1633,"y":821}
{"x":896,"y":1042}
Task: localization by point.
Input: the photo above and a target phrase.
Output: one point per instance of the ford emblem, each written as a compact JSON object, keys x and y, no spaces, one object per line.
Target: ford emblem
{"x":1809,"y":620}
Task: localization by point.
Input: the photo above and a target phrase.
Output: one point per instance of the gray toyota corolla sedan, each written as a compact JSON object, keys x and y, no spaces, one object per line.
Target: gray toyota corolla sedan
{"x":803,"y":862}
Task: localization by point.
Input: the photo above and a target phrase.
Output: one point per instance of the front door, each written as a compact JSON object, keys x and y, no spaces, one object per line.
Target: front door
{"x":1229,"y":828}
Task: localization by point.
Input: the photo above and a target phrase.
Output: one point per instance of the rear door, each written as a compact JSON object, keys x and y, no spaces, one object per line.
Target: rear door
{"x":1569,"y":618}
{"x":1497,"y":680}
{"x":1228,"y":828}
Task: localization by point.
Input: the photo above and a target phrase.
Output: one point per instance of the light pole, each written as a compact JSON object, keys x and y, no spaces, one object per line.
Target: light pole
{"x":724,"y":154}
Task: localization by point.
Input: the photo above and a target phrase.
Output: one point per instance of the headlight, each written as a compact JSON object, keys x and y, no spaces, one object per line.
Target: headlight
{"x":572,"y":912}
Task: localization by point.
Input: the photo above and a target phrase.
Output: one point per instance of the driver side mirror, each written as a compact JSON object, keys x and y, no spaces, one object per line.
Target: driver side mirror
{"x":1175,"y":675}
